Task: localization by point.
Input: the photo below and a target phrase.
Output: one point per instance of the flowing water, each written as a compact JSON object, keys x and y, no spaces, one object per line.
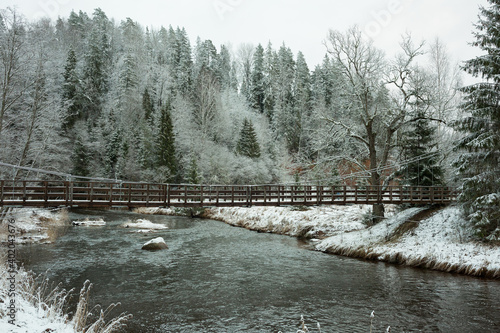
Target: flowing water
{"x":217,"y":278}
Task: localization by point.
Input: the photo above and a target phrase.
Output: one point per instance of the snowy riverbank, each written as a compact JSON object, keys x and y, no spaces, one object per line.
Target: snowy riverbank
{"x":33,"y":225}
{"x":439,"y":240}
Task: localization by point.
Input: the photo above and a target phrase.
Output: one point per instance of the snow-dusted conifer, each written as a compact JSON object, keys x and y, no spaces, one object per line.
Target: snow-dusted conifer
{"x":248,"y":144}
{"x":166,"y":144}
{"x":479,"y":163}
{"x":71,"y":92}
{"x":257,"y":83}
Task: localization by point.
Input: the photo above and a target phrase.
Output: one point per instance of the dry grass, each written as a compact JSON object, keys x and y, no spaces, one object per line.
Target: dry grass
{"x":101,"y":325}
{"x":52,"y":301}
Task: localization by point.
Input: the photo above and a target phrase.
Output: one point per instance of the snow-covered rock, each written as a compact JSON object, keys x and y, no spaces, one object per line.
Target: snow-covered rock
{"x":144,"y":224}
{"x":90,"y":223}
{"x":155,"y":244}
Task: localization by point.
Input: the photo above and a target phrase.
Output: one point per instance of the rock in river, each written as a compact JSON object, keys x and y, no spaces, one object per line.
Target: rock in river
{"x":155,"y":244}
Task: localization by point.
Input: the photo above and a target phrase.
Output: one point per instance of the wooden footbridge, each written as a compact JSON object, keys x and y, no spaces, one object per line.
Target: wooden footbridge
{"x":91,"y":194}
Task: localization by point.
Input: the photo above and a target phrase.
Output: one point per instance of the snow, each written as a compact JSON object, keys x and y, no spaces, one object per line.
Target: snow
{"x":317,"y":221}
{"x":157,"y":240}
{"x":28,"y":317}
{"x":33,"y":319}
{"x":155,"y":211}
{"x":439,"y":242}
{"x":32,"y":224}
{"x":144,"y":224}
{"x":90,"y":223}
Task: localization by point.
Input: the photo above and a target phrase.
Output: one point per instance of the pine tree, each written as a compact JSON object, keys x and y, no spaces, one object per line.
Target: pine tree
{"x":479,"y":162}
{"x":185,"y":62}
{"x":247,"y":143}
{"x":167,"y":158}
{"x":71,"y":92}
{"x":97,"y":63}
{"x":147,"y":104}
{"x":80,"y":159}
{"x":224,"y":67}
{"x":302,"y":107}
{"x":270,"y":74}
{"x":418,"y":142}
{"x":192,"y":176}
{"x":257,"y":87}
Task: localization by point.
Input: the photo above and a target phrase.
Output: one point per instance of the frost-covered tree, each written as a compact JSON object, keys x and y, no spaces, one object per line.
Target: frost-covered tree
{"x":167,"y":159}
{"x":71,"y":92}
{"x":284,"y":120}
{"x":80,"y":159}
{"x":257,"y":80}
{"x":479,"y":162}
{"x":371,"y":116}
{"x":15,"y":59}
{"x":302,"y":104}
{"x":224,"y":67}
{"x":418,"y":143}
{"x":147,"y":104}
{"x":207,"y":100}
{"x":96,"y":65}
{"x":248,"y":144}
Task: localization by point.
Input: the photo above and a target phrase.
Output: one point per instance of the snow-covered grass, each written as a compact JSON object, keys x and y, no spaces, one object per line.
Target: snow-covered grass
{"x":440,"y":240}
{"x":38,"y":307}
{"x":309,"y":222}
{"x":155,"y":211}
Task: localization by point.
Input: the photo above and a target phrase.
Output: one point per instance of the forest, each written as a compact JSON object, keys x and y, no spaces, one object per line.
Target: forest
{"x":92,"y":97}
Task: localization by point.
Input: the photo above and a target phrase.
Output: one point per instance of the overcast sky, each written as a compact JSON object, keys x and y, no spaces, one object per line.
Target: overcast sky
{"x":300,"y":24}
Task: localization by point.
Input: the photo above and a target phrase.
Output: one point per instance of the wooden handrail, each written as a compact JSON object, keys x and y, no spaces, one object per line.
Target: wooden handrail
{"x":105,"y":194}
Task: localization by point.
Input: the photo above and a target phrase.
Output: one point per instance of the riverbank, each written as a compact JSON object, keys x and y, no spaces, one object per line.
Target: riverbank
{"x":418,"y":237}
{"x":33,"y":225}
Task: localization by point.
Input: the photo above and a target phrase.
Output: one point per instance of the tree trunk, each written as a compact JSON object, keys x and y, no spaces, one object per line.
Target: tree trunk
{"x":375,"y":179}
{"x":378,"y":211}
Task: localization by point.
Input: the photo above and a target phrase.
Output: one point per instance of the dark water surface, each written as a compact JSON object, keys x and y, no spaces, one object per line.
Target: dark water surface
{"x":217,"y":278}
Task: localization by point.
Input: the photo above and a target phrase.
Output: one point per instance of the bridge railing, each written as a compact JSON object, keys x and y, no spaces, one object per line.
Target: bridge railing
{"x":105,"y":194}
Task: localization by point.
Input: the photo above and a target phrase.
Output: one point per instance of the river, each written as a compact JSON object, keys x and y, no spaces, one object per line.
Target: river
{"x":218,"y":278}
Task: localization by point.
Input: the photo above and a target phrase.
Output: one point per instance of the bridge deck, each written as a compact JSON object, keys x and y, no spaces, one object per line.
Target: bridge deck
{"x":107,"y":194}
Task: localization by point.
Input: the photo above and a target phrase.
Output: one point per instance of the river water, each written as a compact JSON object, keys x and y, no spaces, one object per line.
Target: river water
{"x":218,"y":278}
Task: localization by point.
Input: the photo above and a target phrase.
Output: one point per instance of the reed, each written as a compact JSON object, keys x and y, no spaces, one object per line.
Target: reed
{"x":51,"y":302}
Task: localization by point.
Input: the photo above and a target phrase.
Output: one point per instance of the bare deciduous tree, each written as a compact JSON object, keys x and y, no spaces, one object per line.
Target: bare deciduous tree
{"x":375,"y":103}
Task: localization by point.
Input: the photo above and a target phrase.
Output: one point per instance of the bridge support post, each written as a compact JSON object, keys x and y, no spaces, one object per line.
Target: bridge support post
{"x":46,"y":193}
{"x":24,"y":192}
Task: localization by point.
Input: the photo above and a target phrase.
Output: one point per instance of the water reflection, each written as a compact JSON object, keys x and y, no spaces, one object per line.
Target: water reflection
{"x":217,"y":278}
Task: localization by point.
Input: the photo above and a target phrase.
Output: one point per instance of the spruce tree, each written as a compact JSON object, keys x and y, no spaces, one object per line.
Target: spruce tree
{"x":80,"y":158}
{"x":147,"y":104}
{"x":257,"y":86}
{"x":192,"y":176}
{"x":418,"y":144}
{"x":247,"y":143}
{"x":166,"y":144}
{"x":479,"y":162}
{"x":71,"y":92}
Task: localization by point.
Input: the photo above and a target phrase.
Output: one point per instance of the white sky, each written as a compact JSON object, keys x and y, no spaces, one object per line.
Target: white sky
{"x":301,"y":24}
